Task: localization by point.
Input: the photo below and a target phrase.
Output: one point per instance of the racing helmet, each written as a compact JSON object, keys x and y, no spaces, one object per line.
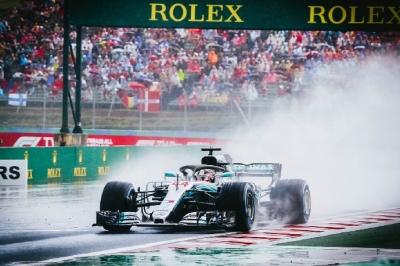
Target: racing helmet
{"x":207,"y":175}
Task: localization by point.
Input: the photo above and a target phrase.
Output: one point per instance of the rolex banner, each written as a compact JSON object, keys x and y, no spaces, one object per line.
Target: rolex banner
{"x":338,"y":15}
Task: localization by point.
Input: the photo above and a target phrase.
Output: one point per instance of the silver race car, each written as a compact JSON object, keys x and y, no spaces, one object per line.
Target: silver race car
{"x":214,"y":194}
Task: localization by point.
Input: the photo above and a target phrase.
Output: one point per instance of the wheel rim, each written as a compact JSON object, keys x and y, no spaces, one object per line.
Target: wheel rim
{"x":250,"y":206}
{"x":307,"y":202}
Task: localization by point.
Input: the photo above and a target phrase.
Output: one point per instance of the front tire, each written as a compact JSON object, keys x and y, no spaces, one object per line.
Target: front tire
{"x":239,"y":197}
{"x":114,"y":198}
{"x":291,"y":199}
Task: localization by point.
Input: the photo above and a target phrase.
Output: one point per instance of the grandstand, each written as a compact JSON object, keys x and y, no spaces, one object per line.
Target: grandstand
{"x":252,"y":70}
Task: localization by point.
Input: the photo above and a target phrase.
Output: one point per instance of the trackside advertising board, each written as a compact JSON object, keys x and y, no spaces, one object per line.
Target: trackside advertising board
{"x":19,"y":139}
{"x":58,"y":164}
{"x":13,"y":172}
{"x":344,"y":15}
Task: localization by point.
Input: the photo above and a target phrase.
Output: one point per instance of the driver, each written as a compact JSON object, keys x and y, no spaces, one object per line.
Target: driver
{"x":207,"y":175}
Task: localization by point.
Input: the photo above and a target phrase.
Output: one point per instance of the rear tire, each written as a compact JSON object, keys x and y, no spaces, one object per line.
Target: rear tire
{"x":114,"y":198}
{"x":239,"y":197}
{"x":291,"y":199}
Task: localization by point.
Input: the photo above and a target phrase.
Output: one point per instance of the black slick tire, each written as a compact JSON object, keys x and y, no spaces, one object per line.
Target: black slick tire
{"x":291,"y":199}
{"x":239,"y":197}
{"x":114,"y":198}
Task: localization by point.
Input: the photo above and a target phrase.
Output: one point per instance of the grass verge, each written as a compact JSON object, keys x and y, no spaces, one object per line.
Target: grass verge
{"x":379,"y":237}
{"x":199,"y":121}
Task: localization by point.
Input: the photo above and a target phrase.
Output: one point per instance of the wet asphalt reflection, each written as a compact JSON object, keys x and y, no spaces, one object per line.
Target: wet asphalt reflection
{"x":53,"y":222}
{"x":251,"y":255}
{"x":48,"y":221}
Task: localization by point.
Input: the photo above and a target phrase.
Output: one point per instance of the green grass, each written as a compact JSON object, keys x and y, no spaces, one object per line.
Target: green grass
{"x":380,"y":237}
{"x":200,"y":121}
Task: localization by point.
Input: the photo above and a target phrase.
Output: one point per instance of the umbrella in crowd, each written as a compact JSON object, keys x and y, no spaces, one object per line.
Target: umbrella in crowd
{"x":198,"y":84}
{"x":311,"y":47}
{"x":312,"y":54}
{"x":319,"y":45}
{"x":137,"y":85}
{"x":116,"y":39}
{"x":118,"y":50}
{"x":255,"y":76}
{"x":129,"y":33}
{"x":213,"y":45}
{"x":18,"y":75}
{"x":126,"y":36}
{"x":126,"y":65}
{"x":144,"y":81}
{"x":151,"y":42}
{"x":93,"y":72}
{"x":112,"y":43}
{"x":10,"y":36}
{"x":227,"y":85}
{"x":112,"y":39}
{"x":24,"y":52}
{"x":174,"y":46}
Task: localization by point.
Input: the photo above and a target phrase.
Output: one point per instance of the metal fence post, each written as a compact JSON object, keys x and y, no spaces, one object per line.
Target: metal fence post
{"x":44,"y":106}
{"x":185,"y":111}
{"x":140,"y":108}
{"x":249,"y":111}
{"x":94,"y":110}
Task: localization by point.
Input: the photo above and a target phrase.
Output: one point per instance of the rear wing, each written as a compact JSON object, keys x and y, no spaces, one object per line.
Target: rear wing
{"x":258,"y":169}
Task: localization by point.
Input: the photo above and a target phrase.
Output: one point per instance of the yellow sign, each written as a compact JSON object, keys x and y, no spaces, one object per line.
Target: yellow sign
{"x":54,"y":157}
{"x":80,"y":171}
{"x":338,"y":15}
{"x":180,"y":12}
{"x":53,"y":172}
{"x":104,"y":156}
{"x":30,"y":174}
{"x":80,"y":156}
{"x":103,"y":170}
{"x":353,"y":15}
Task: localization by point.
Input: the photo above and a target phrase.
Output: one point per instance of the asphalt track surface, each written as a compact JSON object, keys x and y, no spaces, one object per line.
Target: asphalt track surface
{"x":53,"y":221}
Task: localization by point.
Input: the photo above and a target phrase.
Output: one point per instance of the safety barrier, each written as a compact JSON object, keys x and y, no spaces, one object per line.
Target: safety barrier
{"x":70,"y":163}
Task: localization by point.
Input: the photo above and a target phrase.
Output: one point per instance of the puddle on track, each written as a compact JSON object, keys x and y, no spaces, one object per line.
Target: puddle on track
{"x":254,"y":255}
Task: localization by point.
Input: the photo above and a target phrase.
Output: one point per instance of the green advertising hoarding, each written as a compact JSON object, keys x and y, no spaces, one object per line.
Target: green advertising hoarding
{"x":70,"y":163}
{"x":368,"y":15}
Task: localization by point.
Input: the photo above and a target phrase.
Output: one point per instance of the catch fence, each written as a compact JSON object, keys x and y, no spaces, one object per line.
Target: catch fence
{"x":213,"y":112}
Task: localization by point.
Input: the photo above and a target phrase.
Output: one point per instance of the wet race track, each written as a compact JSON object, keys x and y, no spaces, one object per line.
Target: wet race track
{"x":52,"y":223}
{"x":55,"y":220}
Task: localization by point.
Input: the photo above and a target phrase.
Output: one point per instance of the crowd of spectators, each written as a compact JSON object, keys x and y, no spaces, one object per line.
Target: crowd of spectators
{"x":200,"y":64}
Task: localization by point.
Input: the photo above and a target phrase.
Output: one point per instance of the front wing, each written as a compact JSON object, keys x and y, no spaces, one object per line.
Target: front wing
{"x":131,"y":219}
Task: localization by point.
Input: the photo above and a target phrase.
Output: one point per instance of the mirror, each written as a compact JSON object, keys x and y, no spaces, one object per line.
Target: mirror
{"x":169,"y":174}
{"x":227,"y":174}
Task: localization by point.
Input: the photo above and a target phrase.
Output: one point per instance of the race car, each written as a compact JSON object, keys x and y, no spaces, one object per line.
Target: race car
{"x":212,"y":194}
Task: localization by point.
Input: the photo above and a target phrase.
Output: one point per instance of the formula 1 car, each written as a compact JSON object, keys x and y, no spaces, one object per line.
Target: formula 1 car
{"x":211,"y":194}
